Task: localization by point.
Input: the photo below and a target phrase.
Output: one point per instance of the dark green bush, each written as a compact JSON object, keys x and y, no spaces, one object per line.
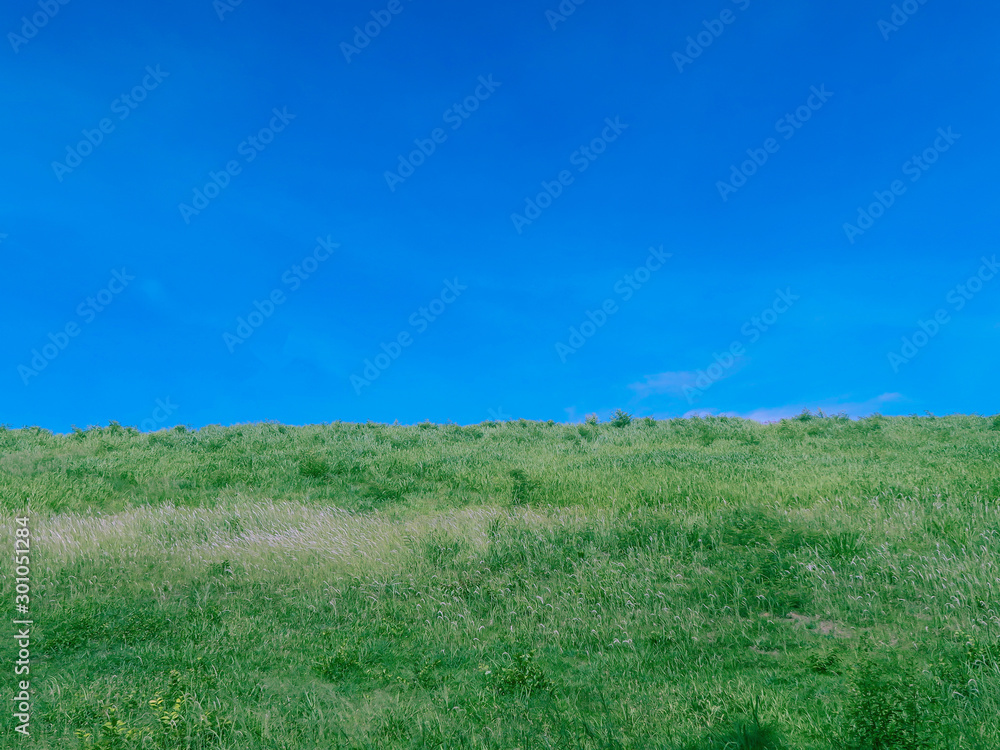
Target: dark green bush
{"x":889,"y":705}
{"x":313,"y":467}
{"x":518,"y":674}
{"x":525,"y":488}
{"x":621,"y":418}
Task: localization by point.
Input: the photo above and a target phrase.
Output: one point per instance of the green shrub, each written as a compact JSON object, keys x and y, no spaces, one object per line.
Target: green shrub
{"x":826,"y":660}
{"x":519,"y":674}
{"x":339,"y":665}
{"x":525,"y":489}
{"x":705,"y":435}
{"x":747,"y":733}
{"x":621,"y":418}
{"x":172,"y":718}
{"x":889,"y":706}
{"x":845,"y":545}
{"x":313,"y":467}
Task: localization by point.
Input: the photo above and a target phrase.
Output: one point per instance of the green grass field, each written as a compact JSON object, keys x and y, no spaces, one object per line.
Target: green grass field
{"x":683,"y":584}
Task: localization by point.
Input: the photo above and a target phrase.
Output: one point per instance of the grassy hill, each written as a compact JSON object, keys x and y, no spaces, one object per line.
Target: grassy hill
{"x":683,"y":584}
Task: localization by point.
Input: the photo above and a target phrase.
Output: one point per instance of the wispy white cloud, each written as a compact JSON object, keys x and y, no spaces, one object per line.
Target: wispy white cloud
{"x":664,"y":382}
{"x":681,"y":382}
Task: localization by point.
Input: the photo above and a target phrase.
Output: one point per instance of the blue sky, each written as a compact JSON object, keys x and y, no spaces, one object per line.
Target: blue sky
{"x":218,"y":213}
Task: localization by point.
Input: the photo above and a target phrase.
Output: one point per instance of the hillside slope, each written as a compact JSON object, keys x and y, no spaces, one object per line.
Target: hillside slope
{"x":817,"y":583}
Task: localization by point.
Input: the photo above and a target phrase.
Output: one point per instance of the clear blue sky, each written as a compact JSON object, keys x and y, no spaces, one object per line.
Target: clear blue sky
{"x":265,"y":158}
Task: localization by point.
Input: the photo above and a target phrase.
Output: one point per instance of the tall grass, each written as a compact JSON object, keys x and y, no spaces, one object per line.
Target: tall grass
{"x":691,"y":584}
